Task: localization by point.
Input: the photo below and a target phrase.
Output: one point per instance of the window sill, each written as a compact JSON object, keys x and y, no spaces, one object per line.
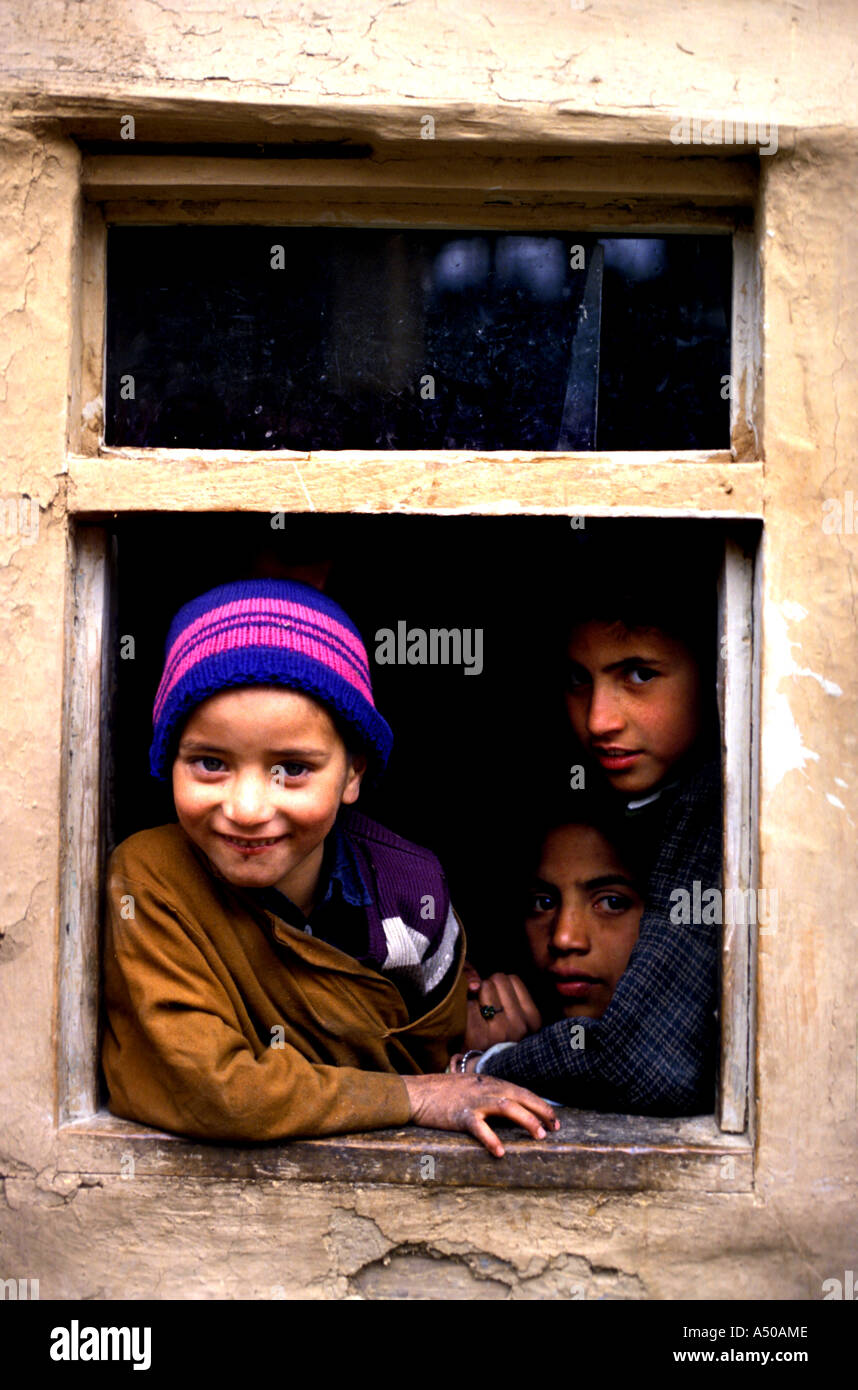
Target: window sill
{"x":710,"y":484}
{"x":589,"y":1151}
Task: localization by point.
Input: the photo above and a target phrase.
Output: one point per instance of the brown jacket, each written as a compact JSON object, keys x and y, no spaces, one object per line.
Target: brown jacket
{"x":223,"y":1022}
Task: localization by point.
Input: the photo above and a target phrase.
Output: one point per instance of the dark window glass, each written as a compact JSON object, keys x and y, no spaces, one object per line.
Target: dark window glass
{"x":665,"y":343}
{"x":415,"y":339}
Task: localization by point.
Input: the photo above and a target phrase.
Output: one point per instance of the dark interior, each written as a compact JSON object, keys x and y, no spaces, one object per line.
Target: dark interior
{"x":476,"y":756}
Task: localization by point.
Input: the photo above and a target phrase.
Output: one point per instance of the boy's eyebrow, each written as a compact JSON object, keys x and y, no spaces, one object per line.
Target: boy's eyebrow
{"x":626,"y":661}
{"x":589,"y":884}
{"x":606,"y":880}
{"x":200,"y":746}
{"x":634,"y":661}
{"x":285,"y":753}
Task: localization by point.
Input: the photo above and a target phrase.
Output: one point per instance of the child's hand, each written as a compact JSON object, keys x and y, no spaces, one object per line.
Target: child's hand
{"x":500,"y":1009}
{"x":463,"y":1102}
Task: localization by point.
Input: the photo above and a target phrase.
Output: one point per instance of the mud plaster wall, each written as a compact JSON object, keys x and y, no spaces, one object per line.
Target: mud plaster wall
{"x":489,"y":72}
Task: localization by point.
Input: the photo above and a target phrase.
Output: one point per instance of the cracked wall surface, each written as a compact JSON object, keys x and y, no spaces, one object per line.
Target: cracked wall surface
{"x":182,"y":1239}
{"x":502,"y":72}
{"x":593,"y":54}
{"x":38,"y":198}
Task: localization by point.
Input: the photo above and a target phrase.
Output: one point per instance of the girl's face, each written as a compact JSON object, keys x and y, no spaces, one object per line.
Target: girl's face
{"x":258,"y":779}
{"x":582,"y":922}
{"x":634,"y":701}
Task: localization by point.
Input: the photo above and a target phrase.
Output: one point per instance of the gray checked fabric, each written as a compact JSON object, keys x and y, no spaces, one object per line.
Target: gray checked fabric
{"x":654,"y":1050}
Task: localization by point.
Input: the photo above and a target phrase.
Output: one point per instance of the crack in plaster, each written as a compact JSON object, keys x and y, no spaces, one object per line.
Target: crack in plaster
{"x":411,"y":1264}
{"x":372,"y":1265}
{"x":10,"y":945}
{"x":26,"y":1188}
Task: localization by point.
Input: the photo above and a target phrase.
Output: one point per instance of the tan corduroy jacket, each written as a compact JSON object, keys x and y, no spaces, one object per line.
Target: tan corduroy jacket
{"x":223,"y":1022}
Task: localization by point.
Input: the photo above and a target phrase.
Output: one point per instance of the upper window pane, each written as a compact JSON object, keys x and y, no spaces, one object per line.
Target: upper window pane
{"x":331,"y":338}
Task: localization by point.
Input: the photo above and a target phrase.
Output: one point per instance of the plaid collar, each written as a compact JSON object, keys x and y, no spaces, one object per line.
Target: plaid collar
{"x":643,"y":801}
{"x":685,"y":773}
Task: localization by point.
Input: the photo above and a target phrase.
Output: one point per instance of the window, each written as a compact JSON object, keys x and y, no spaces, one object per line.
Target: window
{"x":522,"y":487}
{"x":294,"y":338}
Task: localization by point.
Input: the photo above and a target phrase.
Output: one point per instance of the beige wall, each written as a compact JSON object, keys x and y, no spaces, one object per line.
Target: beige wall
{"x":505,"y":73}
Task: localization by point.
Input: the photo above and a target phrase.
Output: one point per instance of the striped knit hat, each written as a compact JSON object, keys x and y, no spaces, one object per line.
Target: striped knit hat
{"x":266,"y":632}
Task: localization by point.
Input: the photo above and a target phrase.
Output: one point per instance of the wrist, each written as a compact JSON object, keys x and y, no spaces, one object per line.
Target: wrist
{"x":493,"y":1051}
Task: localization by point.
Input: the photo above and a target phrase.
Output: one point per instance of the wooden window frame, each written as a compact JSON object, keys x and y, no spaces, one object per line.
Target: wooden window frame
{"x":588,"y":194}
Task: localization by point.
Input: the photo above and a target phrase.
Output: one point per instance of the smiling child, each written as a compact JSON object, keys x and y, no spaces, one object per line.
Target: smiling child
{"x":277,"y":964}
{"x":634,"y":702}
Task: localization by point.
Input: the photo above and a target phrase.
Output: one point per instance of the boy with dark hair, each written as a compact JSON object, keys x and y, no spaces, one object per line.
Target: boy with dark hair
{"x":641,"y":701}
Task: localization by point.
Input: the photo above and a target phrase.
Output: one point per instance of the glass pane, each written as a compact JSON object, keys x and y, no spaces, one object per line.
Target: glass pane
{"x":324,"y":338}
{"x":665,"y":357}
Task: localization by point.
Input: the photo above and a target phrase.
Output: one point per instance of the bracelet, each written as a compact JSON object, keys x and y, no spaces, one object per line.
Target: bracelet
{"x":466,"y":1057}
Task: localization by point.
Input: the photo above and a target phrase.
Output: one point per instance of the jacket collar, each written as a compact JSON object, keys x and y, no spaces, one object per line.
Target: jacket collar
{"x":340,"y":869}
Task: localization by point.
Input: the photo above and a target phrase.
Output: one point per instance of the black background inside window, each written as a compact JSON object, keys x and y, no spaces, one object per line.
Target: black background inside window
{"x":476,"y":758}
{"x":414,"y":339}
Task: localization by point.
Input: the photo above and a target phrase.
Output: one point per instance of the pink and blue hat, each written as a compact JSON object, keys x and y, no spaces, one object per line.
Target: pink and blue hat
{"x":267,"y":632}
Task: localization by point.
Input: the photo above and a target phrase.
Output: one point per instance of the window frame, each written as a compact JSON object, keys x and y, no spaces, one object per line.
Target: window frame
{"x":695,"y":194}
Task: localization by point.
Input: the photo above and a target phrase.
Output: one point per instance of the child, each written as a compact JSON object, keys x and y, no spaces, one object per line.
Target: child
{"x":583,"y":912}
{"x":275,"y":960}
{"x":640,"y":698}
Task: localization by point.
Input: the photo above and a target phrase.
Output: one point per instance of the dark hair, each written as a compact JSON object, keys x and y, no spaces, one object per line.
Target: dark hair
{"x":580,"y":809}
{"x":683,"y":611}
{"x":649,"y":576}
{"x":646,"y":577}
{"x":595,"y":813}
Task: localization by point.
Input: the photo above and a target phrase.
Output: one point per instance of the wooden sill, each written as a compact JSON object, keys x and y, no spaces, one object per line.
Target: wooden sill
{"x":682,"y":484}
{"x":590,"y":1151}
